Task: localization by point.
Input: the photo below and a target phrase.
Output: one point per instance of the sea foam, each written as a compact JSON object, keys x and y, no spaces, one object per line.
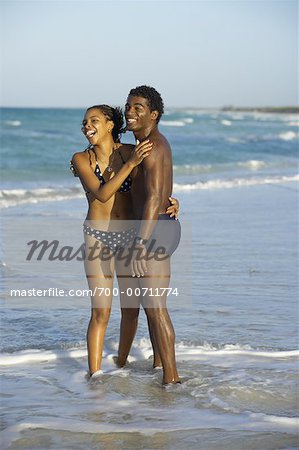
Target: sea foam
{"x":15,"y":197}
{"x":142,"y":349}
{"x":234,"y":183}
{"x":253,"y":164}
{"x":177,"y":123}
{"x":13,"y":123}
{"x":226,"y":123}
{"x":288,"y":135}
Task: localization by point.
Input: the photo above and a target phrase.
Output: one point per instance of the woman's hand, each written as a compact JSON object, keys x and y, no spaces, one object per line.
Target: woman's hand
{"x":140,"y":152}
{"x":72,"y":169}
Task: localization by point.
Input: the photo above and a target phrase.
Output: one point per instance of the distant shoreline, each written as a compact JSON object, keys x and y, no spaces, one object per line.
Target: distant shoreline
{"x":275,"y":109}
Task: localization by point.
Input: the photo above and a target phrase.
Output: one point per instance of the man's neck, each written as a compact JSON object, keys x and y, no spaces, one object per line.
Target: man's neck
{"x":145,"y":133}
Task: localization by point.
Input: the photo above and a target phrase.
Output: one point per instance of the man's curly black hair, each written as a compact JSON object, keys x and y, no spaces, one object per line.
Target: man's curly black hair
{"x":153,"y":97}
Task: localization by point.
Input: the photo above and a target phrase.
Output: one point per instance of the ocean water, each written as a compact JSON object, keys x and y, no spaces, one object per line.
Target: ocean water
{"x":211,"y":149}
{"x":236,"y":176}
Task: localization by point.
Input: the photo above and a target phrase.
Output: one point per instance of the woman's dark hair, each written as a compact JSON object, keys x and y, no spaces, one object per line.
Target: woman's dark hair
{"x":116,"y":116}
{"x":153,"y":97}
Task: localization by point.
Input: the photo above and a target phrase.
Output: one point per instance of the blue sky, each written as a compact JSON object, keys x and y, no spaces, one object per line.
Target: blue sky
{"x":196,"y":53}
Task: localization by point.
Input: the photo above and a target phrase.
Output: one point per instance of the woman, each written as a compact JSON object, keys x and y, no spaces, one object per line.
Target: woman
{"x":106,"y":170}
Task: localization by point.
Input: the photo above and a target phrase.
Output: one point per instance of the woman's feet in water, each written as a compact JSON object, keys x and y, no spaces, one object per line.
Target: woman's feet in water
{"x":157,"y":363}
{"x":93,"y":376}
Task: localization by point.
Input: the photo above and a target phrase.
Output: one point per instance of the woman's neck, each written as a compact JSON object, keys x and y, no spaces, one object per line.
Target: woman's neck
{"x":105,"y":149}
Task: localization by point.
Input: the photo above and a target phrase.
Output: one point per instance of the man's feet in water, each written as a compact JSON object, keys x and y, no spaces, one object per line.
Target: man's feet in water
{"x":171,"y":385}
{"x":120,"y":364}
{"x":170,"y":382}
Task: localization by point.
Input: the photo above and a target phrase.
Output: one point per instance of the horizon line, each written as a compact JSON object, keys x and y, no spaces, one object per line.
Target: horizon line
{"x":224,"y":107}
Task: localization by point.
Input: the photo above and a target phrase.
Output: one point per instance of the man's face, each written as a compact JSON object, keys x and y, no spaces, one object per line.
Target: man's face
{"x":138,"y":114}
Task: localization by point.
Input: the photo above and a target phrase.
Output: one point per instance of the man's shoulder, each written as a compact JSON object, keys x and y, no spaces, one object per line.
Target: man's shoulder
{"x":125,"y":147}
{"x":126,"y":150}
{"x":160,"y":153}
{"x":160,"y":141}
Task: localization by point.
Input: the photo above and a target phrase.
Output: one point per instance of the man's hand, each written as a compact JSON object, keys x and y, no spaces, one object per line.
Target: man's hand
{"x":138,"y":263}
{"x":173,"y":210}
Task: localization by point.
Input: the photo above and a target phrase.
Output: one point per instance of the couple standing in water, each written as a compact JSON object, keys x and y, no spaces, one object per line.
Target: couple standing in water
{"x":129,"y":190}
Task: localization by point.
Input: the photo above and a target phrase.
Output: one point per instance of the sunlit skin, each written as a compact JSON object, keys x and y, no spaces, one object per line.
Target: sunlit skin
{"x":106,"y":204}
{"x":150,"y":193}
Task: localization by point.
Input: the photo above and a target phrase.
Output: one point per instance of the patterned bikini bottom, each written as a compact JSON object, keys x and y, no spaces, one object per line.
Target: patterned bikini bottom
{"x":114,"y":240}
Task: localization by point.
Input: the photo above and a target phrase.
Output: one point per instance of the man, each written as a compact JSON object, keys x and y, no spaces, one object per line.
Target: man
{"x":151,"y":190}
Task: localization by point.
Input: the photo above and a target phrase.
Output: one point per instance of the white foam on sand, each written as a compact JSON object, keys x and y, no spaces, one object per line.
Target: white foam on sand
{"x":142,"y":350}
{"x":181,"y":419}
{"x":233,"y":350}
{"x":132,"y":400}
{"x":37,"y":356}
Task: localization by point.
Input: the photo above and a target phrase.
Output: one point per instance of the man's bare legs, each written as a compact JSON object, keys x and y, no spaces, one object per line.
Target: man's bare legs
{"x":163,"y":331}
{"x":128,"y":327}
{"x":130,"y":307}
{"x":157,"y":363}
{"x":157,"y":278}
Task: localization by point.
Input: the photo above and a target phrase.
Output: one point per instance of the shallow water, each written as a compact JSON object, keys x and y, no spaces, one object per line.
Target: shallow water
{"x":236,"y":330}
{"x":236,"y":347}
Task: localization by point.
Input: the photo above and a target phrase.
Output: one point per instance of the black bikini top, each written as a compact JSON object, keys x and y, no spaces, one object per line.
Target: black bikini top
{"x":125,"y":187}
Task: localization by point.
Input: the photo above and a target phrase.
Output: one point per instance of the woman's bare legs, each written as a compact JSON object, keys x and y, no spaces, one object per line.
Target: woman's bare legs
{"x":99,"y":276}
{"x":95,"y":337}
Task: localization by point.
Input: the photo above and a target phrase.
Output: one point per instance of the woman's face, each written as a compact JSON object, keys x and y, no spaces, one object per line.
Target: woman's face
{"x":95,"y":126}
